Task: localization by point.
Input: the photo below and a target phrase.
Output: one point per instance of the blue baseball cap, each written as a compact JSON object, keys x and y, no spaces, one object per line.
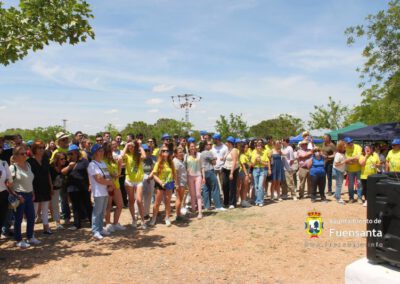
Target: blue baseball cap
{"x":191,"y":140}
{"x":30,"y":142}
{"x":203,"y":132}
{"x":230,"y":139}
{"x":73,"y":147}
{"x":217,"y":136}
{"x":165,"y":136}
{"x":396,"y":141}
{"x":237,"y":140}
{"x":95,"y":148}
{"x":347,"y":140}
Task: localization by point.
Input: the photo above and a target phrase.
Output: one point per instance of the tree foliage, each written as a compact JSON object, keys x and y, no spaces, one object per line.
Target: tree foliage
{"x":36,"y":23}
{"x":234,"y":125}
{"x":163,"y":125}
{"x":332,"y":116}
{"x":44,"y":133}
{"x":283,"y":126}
{"x":380,"y":75}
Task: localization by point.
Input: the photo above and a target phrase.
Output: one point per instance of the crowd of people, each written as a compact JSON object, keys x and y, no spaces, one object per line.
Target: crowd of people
{"x":94,"y":181}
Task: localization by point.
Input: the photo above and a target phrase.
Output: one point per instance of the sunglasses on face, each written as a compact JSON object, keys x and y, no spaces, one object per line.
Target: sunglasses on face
{"x":150,"y":141}
{"x":164,"y":151}
{"x":62,"y":159}
{"x":100,"y":140}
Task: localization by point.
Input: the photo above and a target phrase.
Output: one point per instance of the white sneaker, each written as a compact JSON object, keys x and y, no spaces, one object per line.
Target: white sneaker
{"x":274,"y":196}
{"x":261,"y":205}
{"x":110,"y":228}
{"x":119,"y":227}
{"x":183,"y":211}
{"x":220,"y":209}
{"x":280,"y":199}
{"x":134,"y":223}
{"x":72,"y":228}
{"x":294,"y":197}
{"x":167,"y":222}
{"x":60,"y":227}
{"x":231,"y":207}
{"x":153,"y":222}
{"x":98,"y":236}
{"x":245,"y":204}
{"x":365,"y":203}
{"x":341,"y":201}
{"x":34,"y":241}
{"x":144,"y":226}
{"x":105,"y":232}
{"x":23,"y":244}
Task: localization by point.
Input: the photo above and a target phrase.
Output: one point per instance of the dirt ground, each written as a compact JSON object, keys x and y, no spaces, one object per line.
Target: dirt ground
{"x":255,"y":245}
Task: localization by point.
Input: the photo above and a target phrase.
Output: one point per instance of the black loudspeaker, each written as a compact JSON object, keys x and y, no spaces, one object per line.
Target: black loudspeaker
{"x":383,"y":215}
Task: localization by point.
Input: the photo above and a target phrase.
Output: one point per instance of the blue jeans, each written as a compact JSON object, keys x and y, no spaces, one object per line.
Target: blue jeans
{"x":24,"y":208}
{"x":352,"y":176}
{"x":339,"y":183}
{"x":211,"y":186}
{"x":99,"y":208}
{"x":258,"y":175}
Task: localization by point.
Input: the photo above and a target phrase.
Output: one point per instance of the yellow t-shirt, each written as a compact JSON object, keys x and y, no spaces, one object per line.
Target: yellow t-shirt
{"x":58,"y":150}
{"x":264,"y":159}
{"x":393,"y":158}
{"x":370,"y":166}
{"x":166,"y":172}
{"x":248,"y":153}
{"x":244,"y":161}
{"x":351,"y":153}
{"x":112,"y":168}
{"x":133,"y":171}
{"x":268,"y":150}
{"x":156,"y":152}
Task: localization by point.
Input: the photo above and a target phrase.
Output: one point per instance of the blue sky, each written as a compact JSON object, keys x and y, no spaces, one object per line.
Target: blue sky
{"x":260,"y":58}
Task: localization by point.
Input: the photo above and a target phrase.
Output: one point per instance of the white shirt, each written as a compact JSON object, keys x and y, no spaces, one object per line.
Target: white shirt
{"x":288,"y":154}
{"x":339,"y":158}
{"x":220,"y":152}
{"x":94,"y":169}
{"x":5,"y":175}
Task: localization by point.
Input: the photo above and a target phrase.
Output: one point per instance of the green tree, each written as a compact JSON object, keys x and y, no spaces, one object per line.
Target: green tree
{"x":138,"y":127}
{"x":380,"y":74}
{"x":283,"y":126}
{"x":112,"y":129}
{"x":332,"y":116}
{"x":44,"y":133}
{"x":36,"y":23}
{"x":234,"y":126}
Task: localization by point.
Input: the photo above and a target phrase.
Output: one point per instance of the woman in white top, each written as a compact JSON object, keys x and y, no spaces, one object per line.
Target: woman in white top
{"x":102,"y":185}
{"x":230,"y":172}
{"x":339,"y":168}
{"x":23,"y":188}
{"x":181,"y":186}
{"x":195,"y":178}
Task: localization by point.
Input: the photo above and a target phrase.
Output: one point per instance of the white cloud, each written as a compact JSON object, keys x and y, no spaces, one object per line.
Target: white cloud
{"x":163,"y":88}
{"x":111,"y":111}
{"x":154,"y":101}
{"x":154,"y":110}
{"x":2,"y":107}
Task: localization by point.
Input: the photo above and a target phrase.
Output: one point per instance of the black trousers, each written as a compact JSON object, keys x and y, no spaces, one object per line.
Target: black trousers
{"x":78,"y":207}
{"x":122,"y":187}
{"x":3,"y":207}
{"x":364,"y":188}
{"x":328,"y":170}
{"x":318,"y":182}
{"x":229,"y":187}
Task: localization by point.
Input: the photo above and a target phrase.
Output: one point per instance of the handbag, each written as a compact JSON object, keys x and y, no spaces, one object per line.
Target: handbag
{"x":169,"y":185}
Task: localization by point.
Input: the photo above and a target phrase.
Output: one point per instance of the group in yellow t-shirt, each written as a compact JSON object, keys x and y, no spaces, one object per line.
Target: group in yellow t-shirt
{"x":393,"y":160}
{"x":371,"y":165}
{"x":134,"y":171}
{"x":166,"y":174}
{"x":263,"y":159}
{"x":352,"y":152}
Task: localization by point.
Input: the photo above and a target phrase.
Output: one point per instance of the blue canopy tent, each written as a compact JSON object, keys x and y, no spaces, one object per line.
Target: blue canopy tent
{"x":298,"y":138}
{"x":379,"y":132}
